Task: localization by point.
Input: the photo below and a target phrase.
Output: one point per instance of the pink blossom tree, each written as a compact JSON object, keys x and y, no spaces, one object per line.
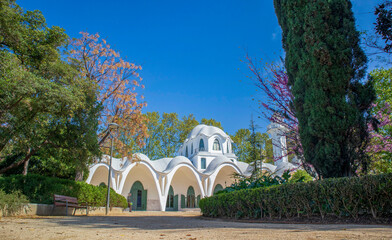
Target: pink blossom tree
{"x":272,"y":80}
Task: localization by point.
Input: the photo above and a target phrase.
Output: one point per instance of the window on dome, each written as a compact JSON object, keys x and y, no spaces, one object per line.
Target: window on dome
{"x":192,"y":149}
{"x":216,"y":145}
{"x":228,"y":149}
{"x":186,"y":151}
{"x":203,"y":163}
{"x":201,"y":145}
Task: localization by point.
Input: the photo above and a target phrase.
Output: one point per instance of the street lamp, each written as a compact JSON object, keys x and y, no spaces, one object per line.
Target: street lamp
{"x":111,"y":127}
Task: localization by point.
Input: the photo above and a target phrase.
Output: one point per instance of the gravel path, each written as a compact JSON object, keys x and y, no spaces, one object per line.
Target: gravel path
{"x":176,"y":225}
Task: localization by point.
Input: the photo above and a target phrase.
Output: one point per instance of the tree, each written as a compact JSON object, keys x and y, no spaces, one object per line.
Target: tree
{"x":383,"y":24}
{"x":117,"y":81}
{"x":187,"y":124}
{"x":211,"y":122}
{"x":380,"y":147}
{"x":272,"y":80}
{"x":43,"y":101}
{"x":250,"y":146}
{"x":325,"y":67}
{"x":255,"y":145}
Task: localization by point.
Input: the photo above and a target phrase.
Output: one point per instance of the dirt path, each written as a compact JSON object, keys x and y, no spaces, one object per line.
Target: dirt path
{"x":175,"y":225}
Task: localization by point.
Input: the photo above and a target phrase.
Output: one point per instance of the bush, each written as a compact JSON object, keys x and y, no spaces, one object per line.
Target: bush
{"x":261,"y":180}
{"x":340,"y":197}
{"x":12,"y":203}
{"x":301,"y":176}
{"x":40,"y":189}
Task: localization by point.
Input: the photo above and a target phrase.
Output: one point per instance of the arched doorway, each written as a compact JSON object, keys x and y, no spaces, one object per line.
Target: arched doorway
{"x":218,"y":188}
{"x":172,"y":200}
{"x":138,"y":196}
{"x":190,"y":198}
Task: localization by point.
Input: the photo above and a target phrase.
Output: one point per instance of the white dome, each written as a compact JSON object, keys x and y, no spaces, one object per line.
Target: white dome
{"x":215,"y":163}
{"x":176,"y":161}
{"x":207,"y":131}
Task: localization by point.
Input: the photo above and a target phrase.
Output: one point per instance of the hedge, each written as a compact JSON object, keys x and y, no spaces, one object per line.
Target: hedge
{"x":40,"y":189}
{"x":341,"y":197}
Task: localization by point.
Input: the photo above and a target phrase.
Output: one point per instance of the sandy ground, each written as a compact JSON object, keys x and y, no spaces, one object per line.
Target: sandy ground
{"x":176,"y":225}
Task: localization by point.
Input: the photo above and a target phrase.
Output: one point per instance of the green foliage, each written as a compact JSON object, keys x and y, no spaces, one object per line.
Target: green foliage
{"x":211,"y":122}
{"x":300,"y":176}
{"x":384,"y":24}
{"x":382,"y":80}
{"x":46,"y":108}
{"x":40,"y":189}
{"x":248,"y":152}
{"x":12,"y":203}
{"x":325,"y":66}
{"x":382,"y":159}
{"x":264,"y":180}
{"x":339,"y":197}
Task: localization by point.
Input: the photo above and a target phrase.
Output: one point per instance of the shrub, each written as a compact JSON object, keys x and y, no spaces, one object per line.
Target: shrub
{"x":301,"y":176}
{"x":40,"y":189}
{"x":267,"y":180}
{"x":341,"y":197}
{"x":12,"y":203}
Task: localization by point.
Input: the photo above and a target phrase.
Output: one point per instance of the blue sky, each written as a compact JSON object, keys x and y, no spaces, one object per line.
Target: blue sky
{"x":191,"y":51}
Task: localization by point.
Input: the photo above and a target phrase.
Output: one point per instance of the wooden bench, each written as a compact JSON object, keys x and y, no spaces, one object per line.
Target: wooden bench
{"x":65,"y":201}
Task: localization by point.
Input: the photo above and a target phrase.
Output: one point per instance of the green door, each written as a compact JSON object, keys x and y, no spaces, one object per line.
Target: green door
{"x":138,"y":196}
{"x":190,"y":198}
{"x":144,"y":200}
{"x":182,"y":201}
{"x":170,"y":200}
{"x":175,"y":203}
{"x":197,"y":201}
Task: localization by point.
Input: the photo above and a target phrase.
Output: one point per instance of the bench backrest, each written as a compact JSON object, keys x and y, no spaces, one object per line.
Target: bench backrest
{"x":61,"y":198}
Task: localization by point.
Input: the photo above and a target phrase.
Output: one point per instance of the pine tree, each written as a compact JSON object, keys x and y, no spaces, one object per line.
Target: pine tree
{"x":326,"y":67}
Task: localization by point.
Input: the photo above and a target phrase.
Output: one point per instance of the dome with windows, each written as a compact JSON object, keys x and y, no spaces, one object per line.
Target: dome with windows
{"x":205,"y":143}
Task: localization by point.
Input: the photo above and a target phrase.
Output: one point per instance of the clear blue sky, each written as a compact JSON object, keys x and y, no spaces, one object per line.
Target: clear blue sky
{"x":191,"y":51}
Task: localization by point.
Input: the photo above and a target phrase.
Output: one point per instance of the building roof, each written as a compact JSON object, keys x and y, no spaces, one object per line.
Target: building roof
{"x":207,"y":131}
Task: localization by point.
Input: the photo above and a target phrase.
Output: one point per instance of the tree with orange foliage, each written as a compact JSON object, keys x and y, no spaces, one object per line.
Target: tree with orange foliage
{"x":117,"y":81}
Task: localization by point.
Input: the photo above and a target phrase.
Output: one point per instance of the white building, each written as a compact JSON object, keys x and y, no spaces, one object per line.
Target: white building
{"x":205,"y":164}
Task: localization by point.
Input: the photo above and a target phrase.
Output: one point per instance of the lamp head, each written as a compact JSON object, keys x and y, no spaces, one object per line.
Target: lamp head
{"x":113,"y":126}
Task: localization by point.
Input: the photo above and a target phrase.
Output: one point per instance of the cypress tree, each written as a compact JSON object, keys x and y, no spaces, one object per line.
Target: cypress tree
{"x":326,"y":67}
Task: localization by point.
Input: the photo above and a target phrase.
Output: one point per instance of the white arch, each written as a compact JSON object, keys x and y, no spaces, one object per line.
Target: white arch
{"x":212,"y":177}
{"x":172,"y":173}
{"x":154,"y":175}
{"x":95,"y":168}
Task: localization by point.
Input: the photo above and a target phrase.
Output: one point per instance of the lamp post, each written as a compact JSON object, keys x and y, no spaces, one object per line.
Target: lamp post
{"x":111,"y":126}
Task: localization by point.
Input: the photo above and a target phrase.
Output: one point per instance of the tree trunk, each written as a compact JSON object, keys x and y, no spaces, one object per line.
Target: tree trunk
{"x":17,"y":164}
{"x":30,"y":153}
{"x":79,"y":175}
{"x":25,"y":167}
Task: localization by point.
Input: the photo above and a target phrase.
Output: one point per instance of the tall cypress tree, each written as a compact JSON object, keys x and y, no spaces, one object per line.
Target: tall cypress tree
{"x":326,"y":67}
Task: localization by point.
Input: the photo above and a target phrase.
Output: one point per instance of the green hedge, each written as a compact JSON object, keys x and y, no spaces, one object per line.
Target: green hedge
{"x":340,"y":197}
{"x":40,"y":189}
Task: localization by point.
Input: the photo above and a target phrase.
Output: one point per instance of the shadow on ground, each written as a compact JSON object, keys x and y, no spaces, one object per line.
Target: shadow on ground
{"x":168,"y":222}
